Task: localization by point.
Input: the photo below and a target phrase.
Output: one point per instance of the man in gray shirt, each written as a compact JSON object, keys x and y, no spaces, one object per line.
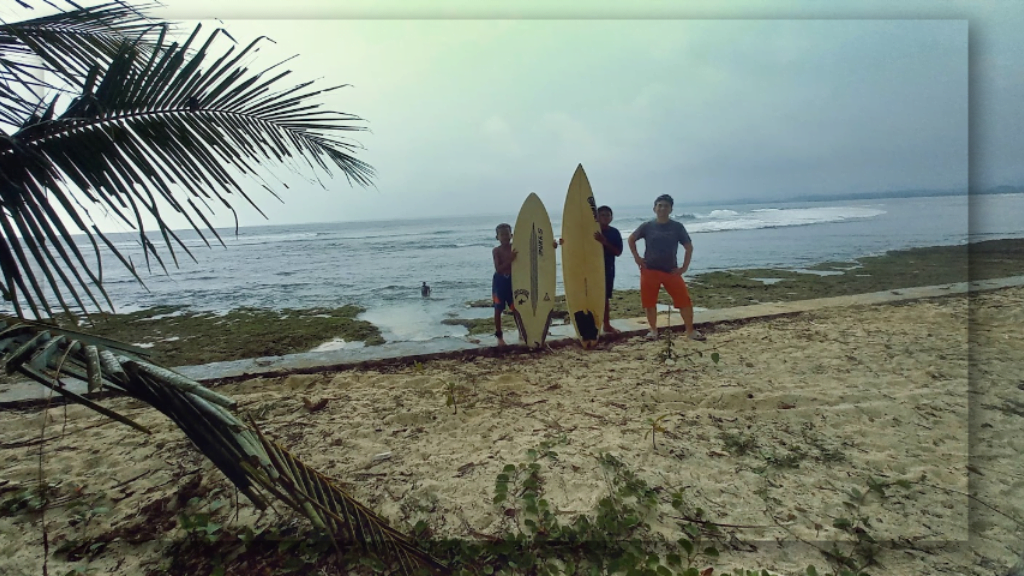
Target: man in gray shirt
{"x":659,"y":266}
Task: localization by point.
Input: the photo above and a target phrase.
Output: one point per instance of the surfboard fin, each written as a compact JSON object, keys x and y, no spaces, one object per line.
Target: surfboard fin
{"x":519,"y":326}
{"x":586,"y":325}
{"x":547,"y":326}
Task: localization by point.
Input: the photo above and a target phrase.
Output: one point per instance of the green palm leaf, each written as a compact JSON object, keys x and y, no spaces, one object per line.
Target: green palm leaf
{"x":65,"y":45}
{"x":156,"y":131}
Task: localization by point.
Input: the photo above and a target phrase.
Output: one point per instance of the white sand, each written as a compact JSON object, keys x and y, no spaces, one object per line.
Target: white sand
{"x":862,"y":392}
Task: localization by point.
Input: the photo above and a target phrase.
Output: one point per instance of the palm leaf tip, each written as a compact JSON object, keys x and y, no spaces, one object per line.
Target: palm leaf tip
{"x":340,"y":514}
{"x":69,"y":42}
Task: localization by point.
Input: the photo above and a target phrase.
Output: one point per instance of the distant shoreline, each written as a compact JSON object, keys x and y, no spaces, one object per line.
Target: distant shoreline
{"x":868,"y":196}
{"x":894,"y":195}
{"x":555,"y":212}
{"x":176,"y":336}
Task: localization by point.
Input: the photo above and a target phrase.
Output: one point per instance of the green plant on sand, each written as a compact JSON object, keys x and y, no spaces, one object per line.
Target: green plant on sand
{"x":655,"y":424}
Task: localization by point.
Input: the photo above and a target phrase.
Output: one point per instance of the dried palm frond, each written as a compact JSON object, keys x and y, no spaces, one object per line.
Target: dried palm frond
{"x":241,"y":451}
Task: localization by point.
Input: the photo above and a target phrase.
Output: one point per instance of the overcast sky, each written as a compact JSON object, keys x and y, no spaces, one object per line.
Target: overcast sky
{"x":470,"y":115}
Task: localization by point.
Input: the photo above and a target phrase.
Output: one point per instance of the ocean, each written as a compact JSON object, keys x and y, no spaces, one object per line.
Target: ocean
{"x":380,"y":265}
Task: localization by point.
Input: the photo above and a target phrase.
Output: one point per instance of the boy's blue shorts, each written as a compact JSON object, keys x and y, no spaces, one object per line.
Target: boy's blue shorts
{"x":501,"y":291}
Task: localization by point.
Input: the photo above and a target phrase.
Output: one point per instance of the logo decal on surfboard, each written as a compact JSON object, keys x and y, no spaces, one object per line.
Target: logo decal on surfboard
{"x":521,"y":296}
{"x":593,"y":206}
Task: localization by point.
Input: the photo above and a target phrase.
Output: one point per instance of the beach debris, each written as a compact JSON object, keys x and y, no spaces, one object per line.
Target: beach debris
{"x":315,"y":406}
{"x":300,"y":381}
{"x":382,"y":457}
{"x":786,"y":406}
{"x":719,"y":420}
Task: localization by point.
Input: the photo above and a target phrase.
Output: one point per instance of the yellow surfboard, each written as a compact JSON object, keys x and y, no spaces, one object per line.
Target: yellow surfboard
{"x":582,"y":260}
{"x":533,"y":271}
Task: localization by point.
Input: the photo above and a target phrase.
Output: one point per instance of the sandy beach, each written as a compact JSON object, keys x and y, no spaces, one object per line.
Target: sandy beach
{"x":798,"y":414}
{"x":256,"y":318}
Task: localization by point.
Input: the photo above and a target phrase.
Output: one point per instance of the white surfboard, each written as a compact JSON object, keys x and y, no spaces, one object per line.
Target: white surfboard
{"x":533,"y":271}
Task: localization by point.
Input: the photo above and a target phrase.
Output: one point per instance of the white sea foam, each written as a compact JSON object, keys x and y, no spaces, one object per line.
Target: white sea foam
{"x":723,"y":220}
{"x":336,"y":344}
{"x":777,"y":218}
{"x":722,"y":214}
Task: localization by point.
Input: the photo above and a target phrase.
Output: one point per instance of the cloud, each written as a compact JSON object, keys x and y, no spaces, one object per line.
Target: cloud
{"x":501,"y":138}
{"x":469,"y":116}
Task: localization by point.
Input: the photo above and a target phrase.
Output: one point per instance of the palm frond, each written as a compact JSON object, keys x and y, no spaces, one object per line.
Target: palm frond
{"x":69,"y":43}
{"x":15,"y":106}
{"x":151,"y":125}
{"x":249,"y":459}
{"x":27,"y":4}
{"x":66,"y":45}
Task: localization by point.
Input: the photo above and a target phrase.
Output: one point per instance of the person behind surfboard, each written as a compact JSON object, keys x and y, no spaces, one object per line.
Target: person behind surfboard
{"x":501,"y":284}
{"x":662,"y":237}
{"x":611,"y":239}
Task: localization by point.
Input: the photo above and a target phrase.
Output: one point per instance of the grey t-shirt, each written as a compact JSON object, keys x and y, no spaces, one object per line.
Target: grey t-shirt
{"x":661,"y":242}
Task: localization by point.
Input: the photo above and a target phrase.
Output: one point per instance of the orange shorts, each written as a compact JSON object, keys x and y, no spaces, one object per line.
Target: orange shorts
{"x":651,"y":282}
